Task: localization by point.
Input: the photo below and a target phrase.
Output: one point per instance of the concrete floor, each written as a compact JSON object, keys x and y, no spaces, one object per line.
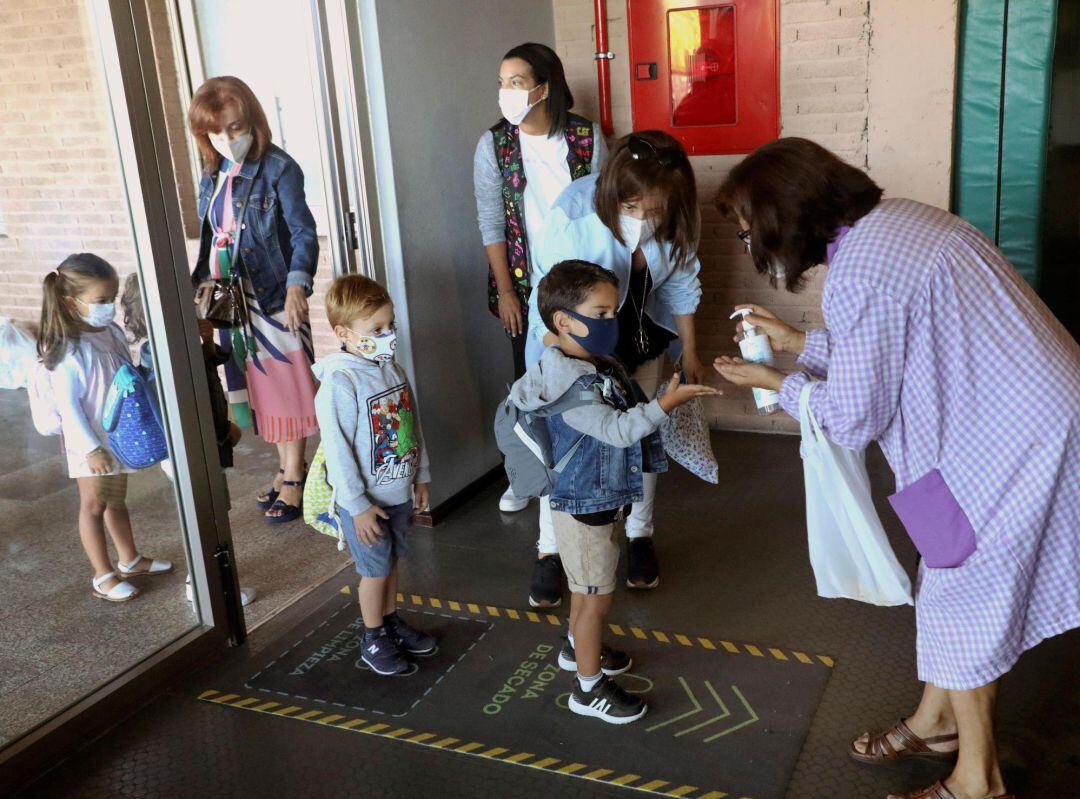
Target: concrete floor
{"x":57,"y":642}
{"x":734,"y":566}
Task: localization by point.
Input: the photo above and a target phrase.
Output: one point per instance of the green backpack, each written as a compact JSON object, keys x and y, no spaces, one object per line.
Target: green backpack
{"x":320,"y":505}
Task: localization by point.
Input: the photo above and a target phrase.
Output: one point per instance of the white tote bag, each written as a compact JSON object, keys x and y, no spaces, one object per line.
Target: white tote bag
{"x":849,"y":550}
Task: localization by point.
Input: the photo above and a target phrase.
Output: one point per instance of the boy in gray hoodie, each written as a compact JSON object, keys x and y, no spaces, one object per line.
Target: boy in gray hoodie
{"x":375,"y":461}
{"x":613,"y":441}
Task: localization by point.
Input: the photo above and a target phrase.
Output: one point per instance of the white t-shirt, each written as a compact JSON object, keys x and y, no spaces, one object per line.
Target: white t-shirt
{"x":546,"y":175}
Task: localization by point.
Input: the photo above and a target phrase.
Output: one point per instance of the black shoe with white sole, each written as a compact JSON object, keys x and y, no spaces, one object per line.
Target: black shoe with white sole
{"x":409,"y":639}
{"x":546,"y":588}
{"x":612,"y":661}
{"x":382,"y":655}
{"x":642,"y":567}
{"x":608,"y":702}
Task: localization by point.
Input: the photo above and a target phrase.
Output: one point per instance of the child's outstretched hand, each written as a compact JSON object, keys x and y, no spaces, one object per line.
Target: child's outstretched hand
{"x":677,"y":394}
{"x":422,"y":497}
{"x":368,"y":529}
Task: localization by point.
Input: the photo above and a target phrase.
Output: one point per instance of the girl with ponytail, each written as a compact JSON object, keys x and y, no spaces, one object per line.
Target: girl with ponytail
{"x":82,"y":349}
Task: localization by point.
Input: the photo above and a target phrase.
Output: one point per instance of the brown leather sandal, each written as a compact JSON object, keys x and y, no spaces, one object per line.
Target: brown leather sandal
{"x":939,"y":791}
{"x":879,"y":749}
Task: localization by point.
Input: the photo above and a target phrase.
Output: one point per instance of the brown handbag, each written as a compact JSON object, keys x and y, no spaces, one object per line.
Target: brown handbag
{"x":222,"y":303}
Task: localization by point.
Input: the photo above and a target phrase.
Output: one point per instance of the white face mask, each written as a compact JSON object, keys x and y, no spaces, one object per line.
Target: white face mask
{"x":375,"y":348}
{"x":514,"y":104}
{"x":634,"y":231}
{"x":100,"y":314}
{"x":232,"y":149}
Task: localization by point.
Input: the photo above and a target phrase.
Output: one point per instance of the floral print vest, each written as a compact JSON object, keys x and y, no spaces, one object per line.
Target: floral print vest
{"x":579,"y":140}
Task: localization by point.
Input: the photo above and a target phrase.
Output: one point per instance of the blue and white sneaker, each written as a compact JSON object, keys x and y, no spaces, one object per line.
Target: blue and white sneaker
{"x":409,"y":639}
{"x":382,"y":655}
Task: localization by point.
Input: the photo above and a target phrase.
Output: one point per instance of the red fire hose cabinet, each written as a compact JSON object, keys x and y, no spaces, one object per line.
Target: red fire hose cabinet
{"x":707,"y":73}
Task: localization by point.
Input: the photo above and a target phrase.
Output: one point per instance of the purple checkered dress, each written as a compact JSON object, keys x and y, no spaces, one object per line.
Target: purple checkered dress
{"x":937,"y":349}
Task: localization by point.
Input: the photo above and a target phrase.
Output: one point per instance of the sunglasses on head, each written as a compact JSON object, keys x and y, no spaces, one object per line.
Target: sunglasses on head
{"x":641,"y":148}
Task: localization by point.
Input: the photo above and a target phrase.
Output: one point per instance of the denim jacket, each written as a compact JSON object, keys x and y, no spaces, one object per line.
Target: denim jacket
{"x":620,"y":440}
{"x":276,"y":237}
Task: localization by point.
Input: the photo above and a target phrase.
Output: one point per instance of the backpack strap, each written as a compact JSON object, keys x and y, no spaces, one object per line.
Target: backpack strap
{"x":575,"y":397}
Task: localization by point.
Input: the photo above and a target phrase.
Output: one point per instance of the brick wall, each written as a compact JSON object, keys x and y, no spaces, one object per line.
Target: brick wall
{"x":60,"y":188}
{"x":825,"y":77}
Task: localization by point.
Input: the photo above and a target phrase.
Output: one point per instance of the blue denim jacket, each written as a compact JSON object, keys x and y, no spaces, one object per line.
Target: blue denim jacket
{"x":601,"y":476}
{"x":277,"y":242}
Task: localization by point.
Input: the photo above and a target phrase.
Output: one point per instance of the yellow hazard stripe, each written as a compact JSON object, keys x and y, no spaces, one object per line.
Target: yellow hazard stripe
{"x":580,"y":770}
{"x":659,"y":636}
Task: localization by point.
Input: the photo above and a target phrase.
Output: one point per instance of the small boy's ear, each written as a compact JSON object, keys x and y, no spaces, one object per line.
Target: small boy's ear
{"x":561,"y":322}
{"x":341,"y":332}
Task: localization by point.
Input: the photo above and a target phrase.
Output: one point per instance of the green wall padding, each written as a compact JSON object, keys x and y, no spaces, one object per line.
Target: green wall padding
{"x":1029,"y":58}
{"x":1005,"y":59}
{"x":978,"y":133}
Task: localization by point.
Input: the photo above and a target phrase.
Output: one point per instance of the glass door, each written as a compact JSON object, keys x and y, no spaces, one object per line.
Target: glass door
{"x":291,"y":61}
{"x":117,"y":555}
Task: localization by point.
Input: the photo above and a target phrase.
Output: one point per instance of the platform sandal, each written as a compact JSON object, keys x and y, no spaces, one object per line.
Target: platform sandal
{"x":939,"y":791}
{"x":156,"y":567}
{"x":271,"y":496}
{"x":121,"y":592}
{"x":289,"y":513}
{"x":879,"y":749}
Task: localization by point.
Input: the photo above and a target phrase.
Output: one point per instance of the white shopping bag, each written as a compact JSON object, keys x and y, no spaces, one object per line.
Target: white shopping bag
{"x":18,"y":355}
{"x":849,"y":550}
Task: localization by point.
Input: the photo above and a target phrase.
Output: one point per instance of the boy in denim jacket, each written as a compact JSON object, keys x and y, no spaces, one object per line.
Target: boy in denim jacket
{"x":578,"y":302}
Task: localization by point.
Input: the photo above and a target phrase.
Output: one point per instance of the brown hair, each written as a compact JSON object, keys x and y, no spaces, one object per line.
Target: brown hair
{"x":204,"y":117}
{"x":666,"y":172}
{"x":60,"y":325}
{"x":567,"y":285}
{"x":354,"y":297}
{"x":794,"y":194}
{"x":131,"y":301}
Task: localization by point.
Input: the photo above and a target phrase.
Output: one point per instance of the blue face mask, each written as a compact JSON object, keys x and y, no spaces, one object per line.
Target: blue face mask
{"x":602,"y":337}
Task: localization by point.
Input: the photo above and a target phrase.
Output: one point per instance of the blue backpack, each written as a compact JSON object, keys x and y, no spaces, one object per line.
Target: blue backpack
{"x":132,"y":420}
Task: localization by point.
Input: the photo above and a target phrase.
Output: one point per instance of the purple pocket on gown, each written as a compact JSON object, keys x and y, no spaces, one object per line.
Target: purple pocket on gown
{"x":934,"y":520}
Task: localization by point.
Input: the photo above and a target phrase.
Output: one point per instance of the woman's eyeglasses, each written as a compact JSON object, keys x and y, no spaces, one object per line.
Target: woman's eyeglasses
{"x":744,"y":237}
{"x":641,"y":148}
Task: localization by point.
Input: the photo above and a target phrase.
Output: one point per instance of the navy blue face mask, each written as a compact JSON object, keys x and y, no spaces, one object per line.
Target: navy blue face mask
{"x":602,"y":337}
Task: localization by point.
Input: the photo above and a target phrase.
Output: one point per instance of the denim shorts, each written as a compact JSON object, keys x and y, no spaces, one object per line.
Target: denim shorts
{"x":377,"y":560}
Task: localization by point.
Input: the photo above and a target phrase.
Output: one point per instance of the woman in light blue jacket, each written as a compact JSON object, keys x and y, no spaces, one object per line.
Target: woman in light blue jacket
{"x":638,"y":218}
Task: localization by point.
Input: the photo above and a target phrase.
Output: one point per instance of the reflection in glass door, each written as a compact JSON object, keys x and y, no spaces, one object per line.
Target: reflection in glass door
{"x":98,"y":539}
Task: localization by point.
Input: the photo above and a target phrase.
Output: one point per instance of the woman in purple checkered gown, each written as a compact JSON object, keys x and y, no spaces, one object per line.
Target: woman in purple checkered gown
{"x":938,"y":350}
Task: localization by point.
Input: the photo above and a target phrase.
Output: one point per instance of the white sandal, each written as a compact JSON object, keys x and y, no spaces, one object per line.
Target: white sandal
{"x":156,"y":567}
{"x":121,"y":592}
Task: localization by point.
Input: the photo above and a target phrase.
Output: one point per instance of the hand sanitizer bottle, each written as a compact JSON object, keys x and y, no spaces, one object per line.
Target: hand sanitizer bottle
{"x":754,"y":346}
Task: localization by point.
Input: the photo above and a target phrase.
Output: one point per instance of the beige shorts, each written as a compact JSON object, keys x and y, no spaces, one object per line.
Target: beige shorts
{"x":110,"y":489}
{"x":589,"y":554}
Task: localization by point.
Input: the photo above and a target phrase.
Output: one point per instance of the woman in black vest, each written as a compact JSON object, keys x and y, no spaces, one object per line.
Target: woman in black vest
{"x":521,"y":165}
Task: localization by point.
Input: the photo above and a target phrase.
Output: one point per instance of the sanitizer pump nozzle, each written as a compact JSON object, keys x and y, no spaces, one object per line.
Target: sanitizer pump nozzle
{"x":754,"y":346}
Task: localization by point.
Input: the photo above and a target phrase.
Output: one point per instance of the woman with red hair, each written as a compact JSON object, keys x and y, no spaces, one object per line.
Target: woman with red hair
{"x":257,"y":229}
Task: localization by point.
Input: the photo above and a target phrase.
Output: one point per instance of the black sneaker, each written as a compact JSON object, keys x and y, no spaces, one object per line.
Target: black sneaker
{"x":642,"y":568}
{"x":546,"y":589}
{"x":608,"y":702}
{"x":612,"y":661}
{"x":409,"y":639}
{"x":382,"y":655}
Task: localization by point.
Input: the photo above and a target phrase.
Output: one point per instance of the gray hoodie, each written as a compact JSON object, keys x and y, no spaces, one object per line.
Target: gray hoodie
{"x":551,"y":377}
{"x":370,"y":432}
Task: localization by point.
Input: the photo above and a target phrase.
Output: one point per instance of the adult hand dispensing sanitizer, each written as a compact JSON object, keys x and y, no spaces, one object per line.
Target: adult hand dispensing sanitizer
{"x":754,"y":346}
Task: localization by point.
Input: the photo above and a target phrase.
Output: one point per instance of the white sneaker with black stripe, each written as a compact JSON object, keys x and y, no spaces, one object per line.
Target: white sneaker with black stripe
{"x":608,"y":702}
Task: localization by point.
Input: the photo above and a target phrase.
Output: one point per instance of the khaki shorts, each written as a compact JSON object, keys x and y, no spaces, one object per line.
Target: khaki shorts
{"x":110,"y":489}
{"x":589,"y":554}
